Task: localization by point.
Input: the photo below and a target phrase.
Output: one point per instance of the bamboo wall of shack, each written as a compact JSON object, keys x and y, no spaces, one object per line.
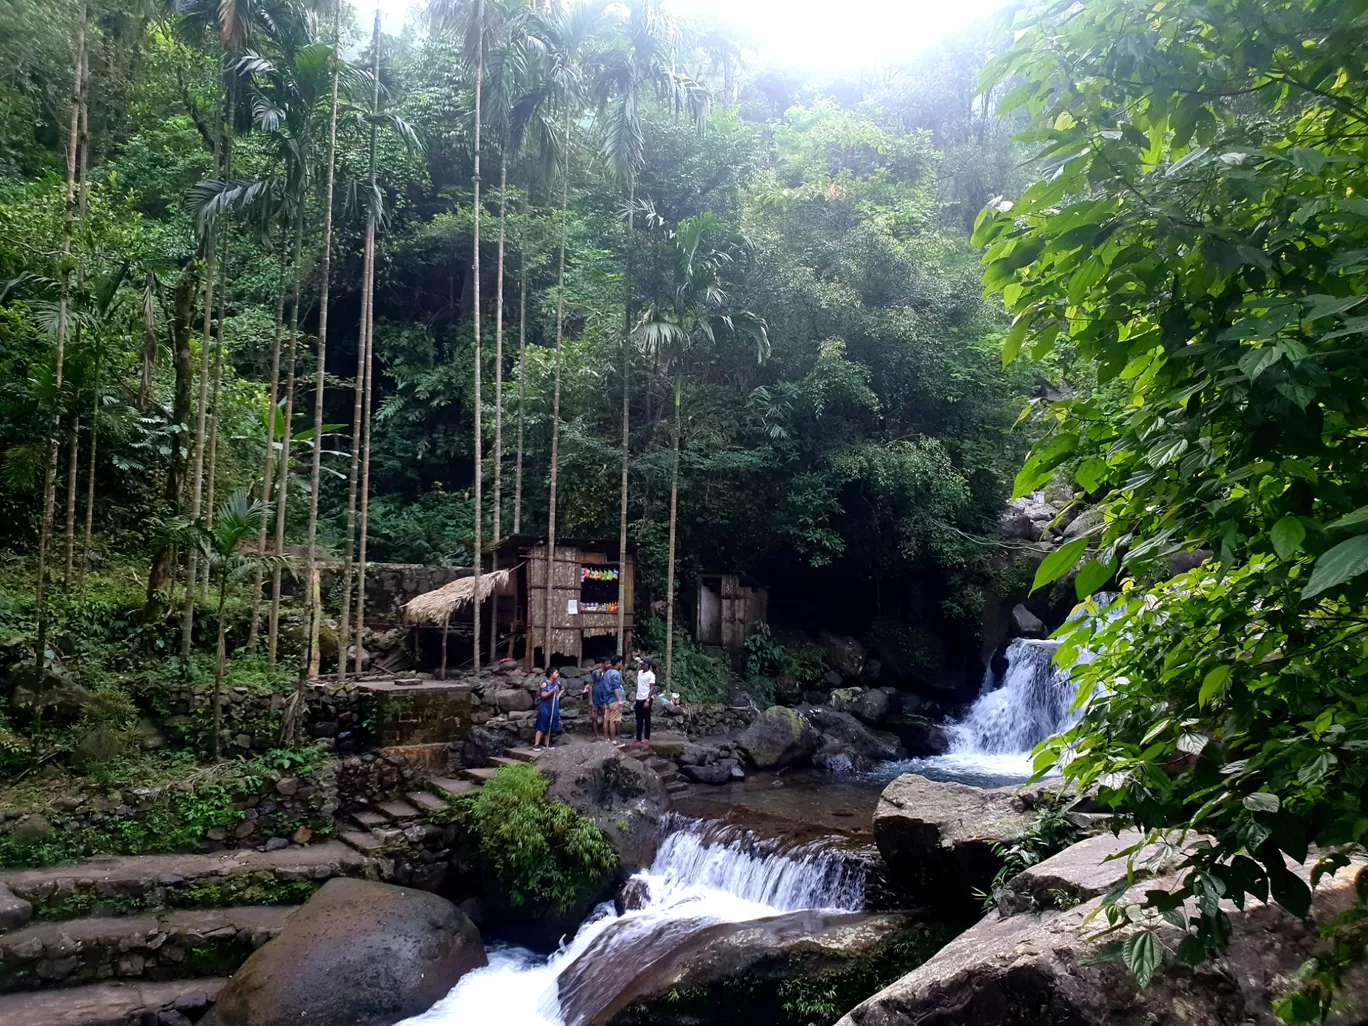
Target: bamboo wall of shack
{"x":570,"y":624}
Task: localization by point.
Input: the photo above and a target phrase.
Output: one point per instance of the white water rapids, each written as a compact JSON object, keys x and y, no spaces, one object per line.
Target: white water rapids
{"x":992,"y":744}
{"x":701,"y":876}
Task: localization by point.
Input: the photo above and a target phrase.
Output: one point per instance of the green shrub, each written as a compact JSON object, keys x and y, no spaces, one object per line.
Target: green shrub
{"x":533,"y":850}
{"x":697,"y":676}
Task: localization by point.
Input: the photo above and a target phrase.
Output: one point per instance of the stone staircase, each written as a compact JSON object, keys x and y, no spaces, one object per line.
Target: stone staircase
{"x":126,"y":941}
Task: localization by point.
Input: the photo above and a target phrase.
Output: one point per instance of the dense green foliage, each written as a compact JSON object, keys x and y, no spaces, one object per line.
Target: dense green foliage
{"x":1198,"y":243}
{"x":532,"y":851}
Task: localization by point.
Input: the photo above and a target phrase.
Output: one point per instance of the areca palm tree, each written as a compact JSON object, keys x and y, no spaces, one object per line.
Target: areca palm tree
{"x":644,"y":61}
{"x":686,"y":325}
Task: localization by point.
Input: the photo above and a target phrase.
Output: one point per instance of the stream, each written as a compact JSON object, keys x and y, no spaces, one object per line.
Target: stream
{"x":705,"y":873}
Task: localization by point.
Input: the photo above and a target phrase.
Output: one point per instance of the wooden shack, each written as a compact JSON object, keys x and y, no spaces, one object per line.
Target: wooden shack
{"x":584,"y":595}
{"x":726,"y":607}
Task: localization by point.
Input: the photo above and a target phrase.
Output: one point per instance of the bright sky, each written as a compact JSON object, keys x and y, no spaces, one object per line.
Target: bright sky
{"x":809,"y":34}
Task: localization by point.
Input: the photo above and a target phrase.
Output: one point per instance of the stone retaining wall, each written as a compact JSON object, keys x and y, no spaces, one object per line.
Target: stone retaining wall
{"x":252,"y":718}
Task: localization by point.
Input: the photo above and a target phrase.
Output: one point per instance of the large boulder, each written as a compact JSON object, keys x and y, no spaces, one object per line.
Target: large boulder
{"x":715,"y":773}
{"x":623,"y":798}
{"x":358,"y":953}
{"x":482,"y":745}
{"x":937,"y":837}
{"x":845,"y":699}
{"x":1049,"y":968}
{"x":871,"y":745}
{"x":690,"y":957}
{"x":1025,"y":624}
{"x":779,"y":736}
{"x":845,"y":654}
{"x":873,"y":706}
{"x":919,"y":735}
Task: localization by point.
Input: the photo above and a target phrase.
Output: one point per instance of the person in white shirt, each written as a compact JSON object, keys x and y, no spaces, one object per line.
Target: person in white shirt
{"x":645,"y":692}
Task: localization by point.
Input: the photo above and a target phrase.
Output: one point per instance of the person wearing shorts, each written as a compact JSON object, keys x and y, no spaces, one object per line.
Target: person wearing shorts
{"x":610,"y":688}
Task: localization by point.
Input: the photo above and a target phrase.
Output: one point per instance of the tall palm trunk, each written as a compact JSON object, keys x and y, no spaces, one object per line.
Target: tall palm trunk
{"x":73,"y":449}
{"x":160,"y":575}
{"x":50,"y":476}
{"x":358,"y":394}
{"x":254,"y":629}
{"x":479,"y":408}
{"x":149,"y":352}
{"x":295,"y":714}
{"x":556,"y":394}
{"x":224,"y":259}
{"x":498,"y":403}
{"x":83,"y":192}
{"x":368,"y":340}
{"x":283,"y":488}
{"x":90,"y":484}
{"x":201,"y":412}
{"x":626,"y":426}
{"x":670,"y":564}
{"x":522,"y":373}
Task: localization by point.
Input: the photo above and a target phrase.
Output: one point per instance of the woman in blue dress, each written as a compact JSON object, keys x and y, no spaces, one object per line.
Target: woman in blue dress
{"x":548,"y":709}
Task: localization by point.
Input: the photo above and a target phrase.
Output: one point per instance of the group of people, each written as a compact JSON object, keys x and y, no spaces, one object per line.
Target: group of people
{"x":606,"y":696}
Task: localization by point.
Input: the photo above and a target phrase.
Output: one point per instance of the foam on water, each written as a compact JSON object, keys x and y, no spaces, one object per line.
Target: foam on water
{"x":704,"y":874}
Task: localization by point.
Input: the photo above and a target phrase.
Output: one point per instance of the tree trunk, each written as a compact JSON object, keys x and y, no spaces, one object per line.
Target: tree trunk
{"x":344,"y":635}
{"x":197,"y":478}
{"x":149,"y":353}
{"x":368,"y":338}
{"x":90,"y":482}
{"x":626,"y":425}
{"x":556,"y":393}
{"x":219,"y":660}
{"x":74,"y":449}
{"x":160,"y":576}
{"x":211,"y":469}
{"x":670,"y":565}
{"x":294,"y":716}
{"x":479,"y":408}
{"x":522,"y":372}
{"x":254,"y":630}
{"x":50,"y":477}
{"x":283,"y":488}
{"x":498,"y":403}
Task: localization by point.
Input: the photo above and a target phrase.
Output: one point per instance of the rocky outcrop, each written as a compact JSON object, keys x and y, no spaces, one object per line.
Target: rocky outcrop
{"x":919,"y":735}
{"x":845,"y":655}
{"x":937,"y":837}
{"x":1025,"y":624}
{"x":624,"y":798}
{"x":358,"y":953}
{"x":1079,"y":873}
{"x":778,"y":737}
{"x":1044,"y":969}
{"x":595,"y":992}
{"x":846,"y":744}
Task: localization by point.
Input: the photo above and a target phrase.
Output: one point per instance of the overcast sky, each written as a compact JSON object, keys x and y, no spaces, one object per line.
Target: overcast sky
{"x":809,"y":34}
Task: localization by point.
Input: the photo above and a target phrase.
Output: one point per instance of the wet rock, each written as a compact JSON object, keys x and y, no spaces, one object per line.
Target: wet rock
{"x":834,"y":757}
{"x":919,"y":735}
{"x":845,"y":699}
{"x":778,"y":736}
{"x":872,"y":707}
{"x":357,"y":953}
{"x":788,"y":946}
{"x":1077,"y":874}
{"x":14,"y":911}
{"x":937,"y":837}
{"x":482,"y":745}
{"x":1047,"y":969}
{"x":634,"y":894}
{"x":870,"y":746}
{"x":1025,"y":624}
{"x":714,"y":774}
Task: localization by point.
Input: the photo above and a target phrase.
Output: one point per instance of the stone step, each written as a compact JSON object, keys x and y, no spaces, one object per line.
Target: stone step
{"x":363,"y":841}
{"x":138,"y":882}
{"x":397,"y":810}
{"x":661,"y":765}
{"x":447,"y":786}
{"x":369,"y":819}
{"x":523,"y":754}
{"x":113,"y":1003}
{"x":480,"y":775}
{"x":676,"y":787}
{"x":503,"y":760}
{"x":179,"y":944}
{"x":426,"y":801}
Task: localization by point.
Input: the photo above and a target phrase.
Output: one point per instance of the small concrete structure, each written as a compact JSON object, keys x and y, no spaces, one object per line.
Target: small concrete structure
{"x":726,"y":607}
{"x":421,"y":712}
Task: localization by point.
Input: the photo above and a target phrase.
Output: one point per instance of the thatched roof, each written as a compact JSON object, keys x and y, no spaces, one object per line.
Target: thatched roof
{"x":435,"y":607}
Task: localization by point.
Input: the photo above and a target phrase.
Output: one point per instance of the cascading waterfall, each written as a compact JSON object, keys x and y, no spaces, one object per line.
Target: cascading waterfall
{"x":1034,"y":701}
{"x":704,"y":874}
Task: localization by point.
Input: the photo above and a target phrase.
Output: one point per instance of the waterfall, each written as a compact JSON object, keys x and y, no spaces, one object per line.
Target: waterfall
{"x":704,"y":874}
{"x":1034,"y":701}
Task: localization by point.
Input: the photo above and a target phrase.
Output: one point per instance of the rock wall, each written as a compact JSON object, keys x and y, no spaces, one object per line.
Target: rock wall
{"x":252,"y":717}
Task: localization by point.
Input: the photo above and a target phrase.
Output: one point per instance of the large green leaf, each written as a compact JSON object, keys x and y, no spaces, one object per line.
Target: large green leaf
{"x":1059,"y":562}
{"x":1346,"y":560}
{"x":1143,"y":954}
{"x":1093,"y":576}
{"x":1287,"y":536}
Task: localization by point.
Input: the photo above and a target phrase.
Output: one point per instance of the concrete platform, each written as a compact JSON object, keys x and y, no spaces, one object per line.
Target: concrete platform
{"x":106,"y":1004}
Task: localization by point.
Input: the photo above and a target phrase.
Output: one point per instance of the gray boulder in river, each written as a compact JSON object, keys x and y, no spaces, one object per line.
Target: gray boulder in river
{"x":1042,"y":968}
{"x":357,"y":953}
{"x":937,"y":837}
{"x":777,"y":737}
